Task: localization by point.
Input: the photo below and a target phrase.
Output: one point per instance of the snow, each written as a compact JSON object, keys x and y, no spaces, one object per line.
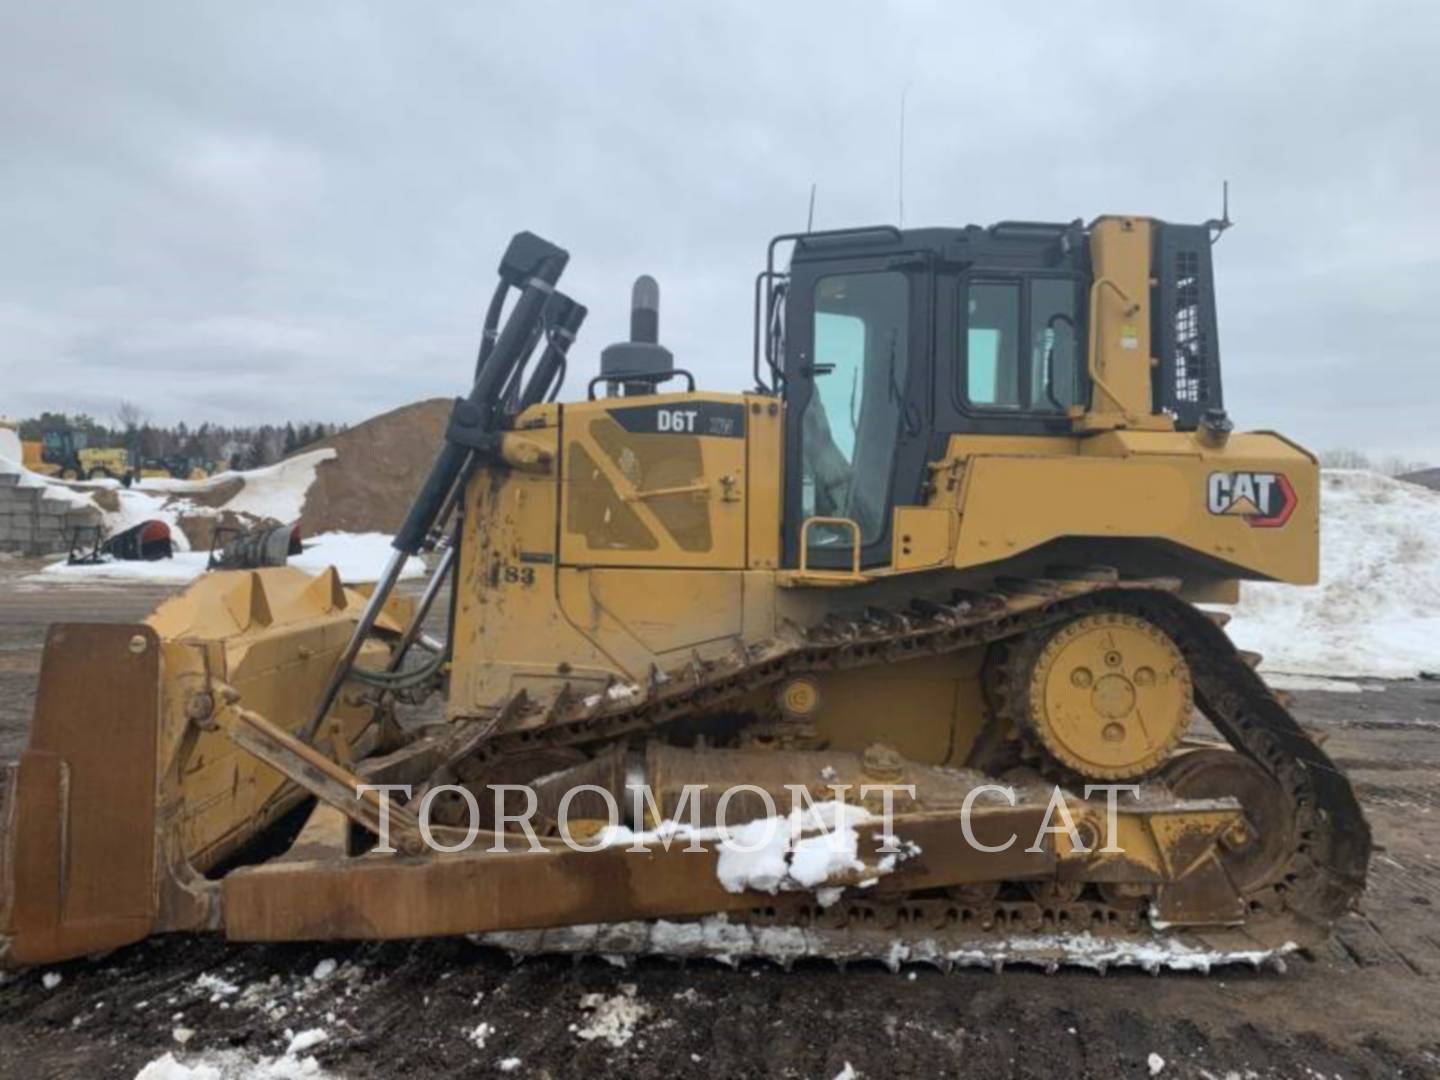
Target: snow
{"x":215,"y":986}
{"x":1156,"y":1063}
{"x":479,"y":1033}
{"x":306,"y":1040}
{"x":771,"y":854}
{"x":357,"y":556}
{"x":275,"y":491}
{"x":235,"y":1065}
{"x":51,"y":979}
{"x":1376,"y":611}
{"x":612,"y":1018}
{"x":810,"y":848}
{"x":324,"y":969}
{"x":846,"y":1073}
{"x":232,"y":1065}
{"x":509,"y":1064}
{"x":52,"y":489}
{"x":1279,"y":680}
{"x":715,"y":937}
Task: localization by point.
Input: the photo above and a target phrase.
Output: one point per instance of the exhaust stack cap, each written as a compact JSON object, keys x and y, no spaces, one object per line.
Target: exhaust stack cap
{"x":642,"y":362}
{"x":1214,"y":428}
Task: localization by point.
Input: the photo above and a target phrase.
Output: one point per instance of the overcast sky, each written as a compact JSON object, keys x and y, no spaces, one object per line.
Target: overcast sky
{"x":260,"y":211}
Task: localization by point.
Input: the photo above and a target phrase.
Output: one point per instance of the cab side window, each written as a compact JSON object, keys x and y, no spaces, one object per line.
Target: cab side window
{"x":1022,"y":345}
{"x":992,"y":377}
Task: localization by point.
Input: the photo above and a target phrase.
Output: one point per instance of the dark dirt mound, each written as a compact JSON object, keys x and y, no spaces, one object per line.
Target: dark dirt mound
{"x":379,"y":467}
{"x":1429,"y":478}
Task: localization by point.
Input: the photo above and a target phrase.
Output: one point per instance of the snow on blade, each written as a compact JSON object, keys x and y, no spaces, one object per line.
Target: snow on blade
{"x":773,"y":854}
{"x":1376,"y":611}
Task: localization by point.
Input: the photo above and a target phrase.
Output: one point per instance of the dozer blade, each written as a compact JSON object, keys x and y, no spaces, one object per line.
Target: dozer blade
{"x":77,"y":843}
{"x":123,"y":801}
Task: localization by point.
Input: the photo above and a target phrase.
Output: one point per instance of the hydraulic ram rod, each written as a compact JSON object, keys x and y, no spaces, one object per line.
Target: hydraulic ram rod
{"x":534,"y":266}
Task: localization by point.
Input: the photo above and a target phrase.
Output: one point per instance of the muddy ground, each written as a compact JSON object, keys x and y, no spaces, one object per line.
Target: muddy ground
{"x":1364,"y":1007}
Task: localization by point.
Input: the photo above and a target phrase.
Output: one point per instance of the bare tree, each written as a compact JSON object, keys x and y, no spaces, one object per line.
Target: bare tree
{"x":130,"y":416}
{"x":1393,"y":465}
{"x":1345,"y":458}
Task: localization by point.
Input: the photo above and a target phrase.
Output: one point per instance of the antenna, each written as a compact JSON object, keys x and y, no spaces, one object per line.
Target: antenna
{"x":810,"y":217}
{"x":903,"y":95}
{"x":1219,"y":226}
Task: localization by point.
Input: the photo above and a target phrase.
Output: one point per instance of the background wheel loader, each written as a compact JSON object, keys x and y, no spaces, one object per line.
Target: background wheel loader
{"x":952,"y":542}
{"x":68,"y":454}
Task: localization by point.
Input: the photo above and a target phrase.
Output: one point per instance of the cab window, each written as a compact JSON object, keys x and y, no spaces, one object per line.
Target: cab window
{"x":1022,"y":346}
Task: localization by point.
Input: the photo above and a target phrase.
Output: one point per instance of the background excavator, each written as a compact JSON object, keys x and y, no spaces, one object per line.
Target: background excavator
{"x":955,"y":539}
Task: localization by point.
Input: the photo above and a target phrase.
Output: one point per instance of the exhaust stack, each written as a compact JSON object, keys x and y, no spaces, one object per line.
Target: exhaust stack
{"x":642,"y":363}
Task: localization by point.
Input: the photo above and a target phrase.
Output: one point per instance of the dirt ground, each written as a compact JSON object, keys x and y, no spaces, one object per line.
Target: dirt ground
{"x":1364,"y":1007}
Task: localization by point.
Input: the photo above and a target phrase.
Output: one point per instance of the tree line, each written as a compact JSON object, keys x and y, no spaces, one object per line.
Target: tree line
{"x":1344,"y":458}
{"x":215,"y":446}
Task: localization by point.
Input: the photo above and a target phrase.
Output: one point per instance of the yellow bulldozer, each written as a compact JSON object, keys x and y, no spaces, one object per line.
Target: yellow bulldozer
{"x":926,"y":603}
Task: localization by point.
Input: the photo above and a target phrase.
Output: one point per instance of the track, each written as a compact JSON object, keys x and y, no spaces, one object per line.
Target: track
{"x":1322,"y":877}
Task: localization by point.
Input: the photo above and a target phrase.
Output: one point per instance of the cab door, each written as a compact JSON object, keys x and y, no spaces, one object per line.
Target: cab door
{"x":857,"y":405}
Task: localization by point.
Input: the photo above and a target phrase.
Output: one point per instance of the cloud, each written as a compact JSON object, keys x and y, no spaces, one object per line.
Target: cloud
{"x":198,"y":194}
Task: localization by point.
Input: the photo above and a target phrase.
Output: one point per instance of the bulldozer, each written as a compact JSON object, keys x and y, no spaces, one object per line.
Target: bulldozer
{"x":946,"y":577}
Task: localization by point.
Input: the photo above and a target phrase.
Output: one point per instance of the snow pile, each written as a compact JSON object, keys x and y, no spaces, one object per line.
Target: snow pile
{"x":1376,"y":611}
{"x":10,"y":446}
{"x":235,"y":1065}
{"x":276,"y":492}
{"x":358,"y":558}
{"x":612,"y":1019}
{"x":136,"y":505}
{"x":51,"y":490}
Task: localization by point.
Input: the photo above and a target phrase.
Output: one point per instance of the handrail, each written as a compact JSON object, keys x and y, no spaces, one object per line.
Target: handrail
{"x":844,"y":522}
{"x":1093,"y":360}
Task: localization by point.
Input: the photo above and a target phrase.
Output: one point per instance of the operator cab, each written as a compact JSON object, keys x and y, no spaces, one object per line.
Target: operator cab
{"x":884,"y":343}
